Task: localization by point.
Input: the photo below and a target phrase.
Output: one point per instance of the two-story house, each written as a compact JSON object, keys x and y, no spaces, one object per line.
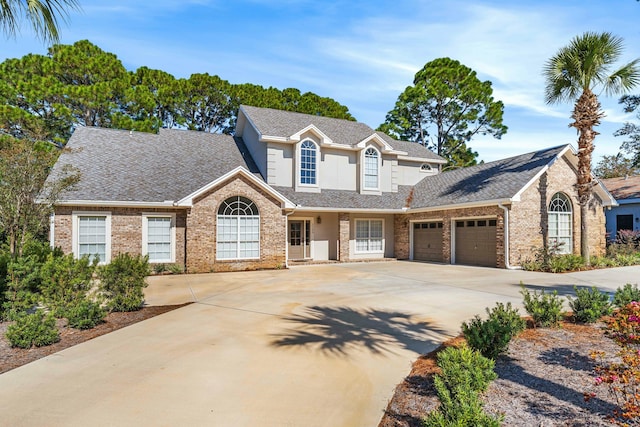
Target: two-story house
{"x":290,"y":187}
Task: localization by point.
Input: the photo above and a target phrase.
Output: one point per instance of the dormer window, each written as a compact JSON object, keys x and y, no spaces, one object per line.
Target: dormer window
{"x":308,"y":163}
{"x":371,"y":168}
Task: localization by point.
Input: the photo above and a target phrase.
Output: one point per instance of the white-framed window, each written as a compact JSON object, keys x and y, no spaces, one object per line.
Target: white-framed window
{"x":425,"y":167}
{"x":308,"y":163}
{"x":369,"y":235}
{"x":371,"y":168}
{"x":158,"y":237}
{"x":561,"y":223}
{"x":238,"y":229}
{"x":91,"y":233}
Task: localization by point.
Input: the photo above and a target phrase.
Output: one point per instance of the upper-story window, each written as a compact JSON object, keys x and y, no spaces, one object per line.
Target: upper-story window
{"x":308,"y":163}
{"x":371,"y":168}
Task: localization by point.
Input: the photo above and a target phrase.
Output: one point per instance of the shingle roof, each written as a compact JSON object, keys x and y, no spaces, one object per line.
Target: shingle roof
{"x":623,"y":188}
{"x":118,"y":165}
{"x":346,"y":200}
{"x":279,"y":123}
{"x":501,"y":179}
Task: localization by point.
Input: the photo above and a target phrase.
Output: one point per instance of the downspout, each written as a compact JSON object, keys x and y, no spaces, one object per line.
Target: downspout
{"x":506,"y":239}
{"x":286,"y":237}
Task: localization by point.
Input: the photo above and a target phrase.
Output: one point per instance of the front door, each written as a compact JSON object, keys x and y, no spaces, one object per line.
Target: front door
{"x":299,"y":237}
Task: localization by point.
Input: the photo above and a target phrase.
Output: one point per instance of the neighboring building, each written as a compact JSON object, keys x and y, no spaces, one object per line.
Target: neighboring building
{"x":292,"y":186}
{"x":625,"y":216}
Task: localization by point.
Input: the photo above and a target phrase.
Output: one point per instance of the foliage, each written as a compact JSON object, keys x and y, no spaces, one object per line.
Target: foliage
{"x":575,"y":73}
{"x":122,"y":282}
{"x":44,"y":97}
{"x":26,"y":198}
{"x":631,"y":130}
{"x":446,"y":107}
{"x":549,"y":259}
{"x":622,"y":376}
{"x":491,"y":337}
{"x":33,"y":329}
{"x":44,"y":16}
{"x":65,"y":280}
{"x":616,"y":166}
{"x":85,"y":314}
{"x":625,"y":295}
{"x":590,"y":304}
{"x":464,"y":373}
{"x":464,"y":366}
{"x":544,"y":308}
{"x":22,"y":286}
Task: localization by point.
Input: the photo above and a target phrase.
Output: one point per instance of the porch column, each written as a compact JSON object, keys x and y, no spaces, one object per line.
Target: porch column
{"x":344,"y":222}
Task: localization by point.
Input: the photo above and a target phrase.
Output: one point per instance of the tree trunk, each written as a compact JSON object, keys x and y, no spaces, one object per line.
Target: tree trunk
{"x":586,"y":114}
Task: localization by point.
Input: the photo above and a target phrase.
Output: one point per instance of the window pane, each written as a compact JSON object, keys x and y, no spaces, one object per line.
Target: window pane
{"x":376,"y":229}
{"x":92,"y":237}
{"x":308,"y":163}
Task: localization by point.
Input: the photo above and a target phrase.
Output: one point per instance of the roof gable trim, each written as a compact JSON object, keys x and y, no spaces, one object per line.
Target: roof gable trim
{"x":188,"y":200}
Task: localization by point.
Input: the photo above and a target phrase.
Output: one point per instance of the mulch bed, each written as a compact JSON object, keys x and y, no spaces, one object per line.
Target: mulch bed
{"x":11,"y":358}
{"x":541,"y":381}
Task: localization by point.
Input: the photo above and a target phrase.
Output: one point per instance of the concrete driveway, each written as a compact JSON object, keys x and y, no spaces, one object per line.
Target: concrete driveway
{"x":310,"y":346}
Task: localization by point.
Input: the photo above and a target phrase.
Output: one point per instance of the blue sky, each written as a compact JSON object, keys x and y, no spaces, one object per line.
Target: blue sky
{"x":364,"y":53}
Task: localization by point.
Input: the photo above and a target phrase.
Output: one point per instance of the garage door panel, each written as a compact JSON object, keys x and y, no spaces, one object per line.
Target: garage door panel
{"x":427,"y":241}
{"x":476,"y":242}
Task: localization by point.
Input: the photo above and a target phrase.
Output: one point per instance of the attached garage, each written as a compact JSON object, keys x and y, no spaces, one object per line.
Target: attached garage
{"x":427,"y":241}
{"x":475,"y":242}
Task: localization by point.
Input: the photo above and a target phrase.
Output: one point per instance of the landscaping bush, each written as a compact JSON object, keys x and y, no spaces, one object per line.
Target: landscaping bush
{"x":465,"y":372}
{"x":465,"y":366}
{"x":590,"y":304}
{"x":123,"y":280}
{"x":544,"y":308}
{"x":33,"y":329}
{"x":22,"y":286}
{"x":65,"y":281}
{"x":565,"y":262}
{"x":626,"y":294}
{"x":85,"y":314}
{"x":492,"y":336}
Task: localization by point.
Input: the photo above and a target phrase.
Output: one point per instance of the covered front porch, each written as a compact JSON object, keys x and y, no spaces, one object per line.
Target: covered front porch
{"x":322,"y":236}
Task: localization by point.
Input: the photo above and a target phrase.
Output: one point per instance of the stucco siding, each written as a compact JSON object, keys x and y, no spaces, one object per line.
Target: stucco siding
{"x":257,"y":149}
{"x":409,"y":173}
{"x":281,"y":162}
{"x":338,"y":169}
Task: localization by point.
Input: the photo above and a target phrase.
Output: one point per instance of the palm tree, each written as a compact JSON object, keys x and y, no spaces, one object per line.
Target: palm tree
{"x":44,"y":15}
{"x":573,"y":74}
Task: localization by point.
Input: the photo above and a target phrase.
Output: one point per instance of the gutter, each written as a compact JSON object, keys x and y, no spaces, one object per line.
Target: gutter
{"x":506,"y":239}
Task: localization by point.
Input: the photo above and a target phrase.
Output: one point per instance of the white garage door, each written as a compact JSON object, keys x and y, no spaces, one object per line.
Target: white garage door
{"x":476,"y":242}
{"x":427,"y":241}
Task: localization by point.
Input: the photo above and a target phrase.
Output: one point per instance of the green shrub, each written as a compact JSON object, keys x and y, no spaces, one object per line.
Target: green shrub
{"x":465,"y":373}
{"x":565,"y":262}
{"x":544,"y":308}
{"x":33,"y":329}
{"x":603,"y":262}
{"x":491,"y":337}
{"x":122,"y":282}
{"x":590,"y":304}
{"x":85,"y":314}
{"x":176,"y":269}
{"x":465,"y":366}
{"x":626,"y":294}
{"x":22,"y":286}
{"x":65,"y":280}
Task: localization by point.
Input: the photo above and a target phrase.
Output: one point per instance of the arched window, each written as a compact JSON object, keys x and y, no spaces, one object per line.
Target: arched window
{"x":561,"y":223}
{"x":371,"y":159}
{"x":238,"y":229}
{"x":308,"y":163}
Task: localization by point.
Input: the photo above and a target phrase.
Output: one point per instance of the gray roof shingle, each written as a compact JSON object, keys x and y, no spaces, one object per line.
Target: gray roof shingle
{"x":344,"y":199}
{"x":117,"y":165}
{"x":501,"y":179}
{"x":623,"y":188}
{"x":270,"y":122}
